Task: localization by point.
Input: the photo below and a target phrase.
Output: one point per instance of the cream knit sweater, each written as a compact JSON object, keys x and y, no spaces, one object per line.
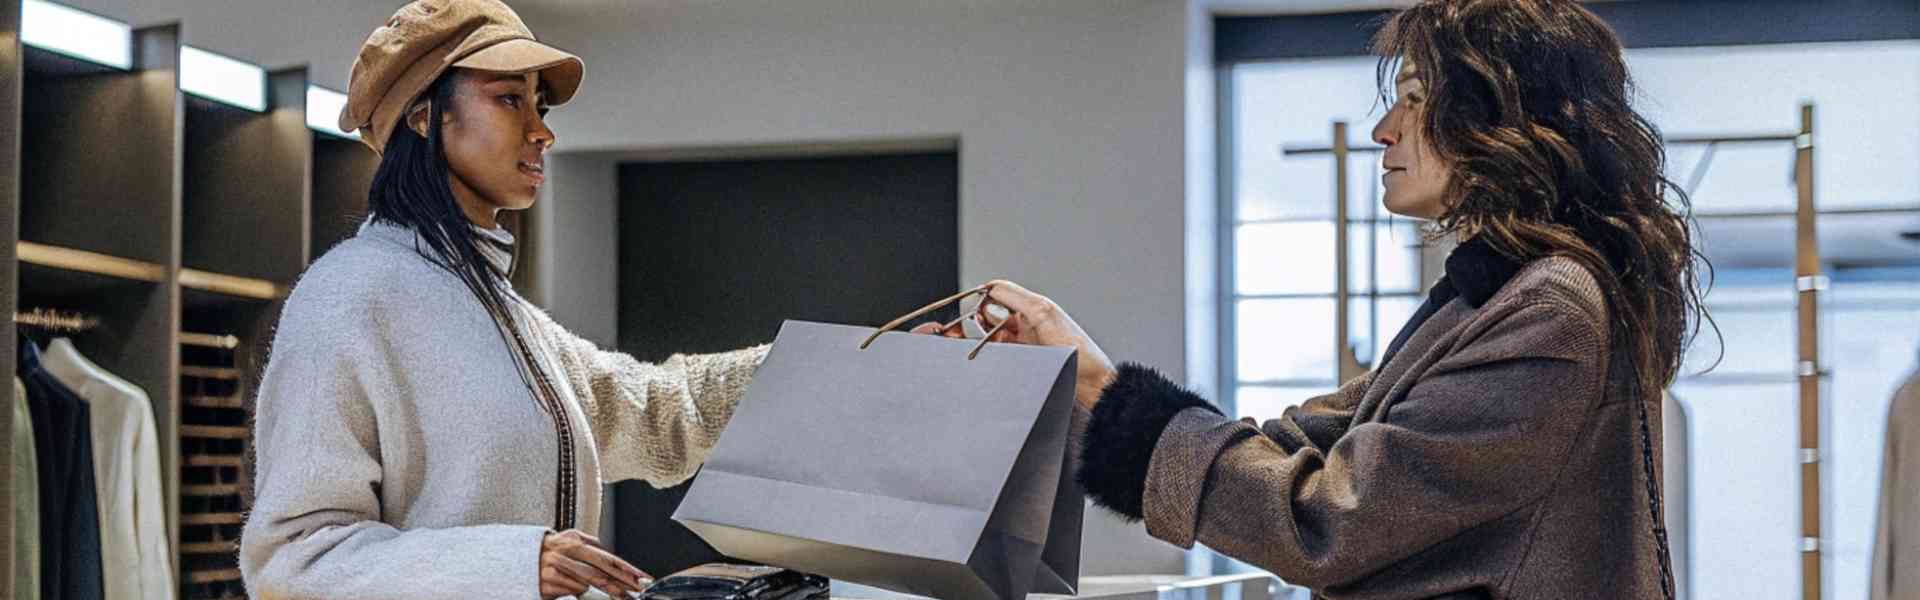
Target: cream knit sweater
{"x":400,"y":454}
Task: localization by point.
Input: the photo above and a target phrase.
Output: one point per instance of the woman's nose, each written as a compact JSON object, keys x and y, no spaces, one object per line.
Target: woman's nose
{"x":1384,"y":132}
{"x":540,"y":134}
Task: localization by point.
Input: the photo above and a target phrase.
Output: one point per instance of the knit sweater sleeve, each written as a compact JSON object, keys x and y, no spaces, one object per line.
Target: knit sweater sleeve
{"x":655,"y":422}
{"x":316,"y":529}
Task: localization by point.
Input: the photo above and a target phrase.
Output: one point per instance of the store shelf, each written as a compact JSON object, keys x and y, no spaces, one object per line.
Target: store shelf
{"x":213,"y":576}
{"x":216,"y":489}
{"x":209,"y":372}
{"x":213,"y":519}
{"x":42,"y":286}
{"x":233,"y":402}
{"x":79,"y":280}
{"x":222,"y":547}
{"x":207,"y":340}
{"x":230,"y":285}
{"x":213,"y":460}
{"x":213,"y":432}
{"x":93,"y":263}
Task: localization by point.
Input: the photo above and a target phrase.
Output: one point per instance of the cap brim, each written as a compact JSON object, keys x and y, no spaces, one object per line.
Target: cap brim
{"x":559,"y":71}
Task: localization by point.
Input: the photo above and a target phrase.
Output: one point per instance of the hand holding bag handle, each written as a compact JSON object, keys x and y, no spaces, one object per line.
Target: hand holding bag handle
{"x":924,"y":310}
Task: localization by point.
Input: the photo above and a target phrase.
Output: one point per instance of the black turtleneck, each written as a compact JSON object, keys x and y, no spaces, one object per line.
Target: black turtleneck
{"x":1475,"y":272}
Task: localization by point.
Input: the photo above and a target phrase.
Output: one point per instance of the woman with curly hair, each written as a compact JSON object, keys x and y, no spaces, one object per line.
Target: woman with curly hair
{"x":1504,"y":448}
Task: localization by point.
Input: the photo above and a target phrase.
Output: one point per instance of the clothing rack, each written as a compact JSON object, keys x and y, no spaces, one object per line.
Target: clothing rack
{"x":95,"y":263}
{"x":1808,"y":283}
{"x":209,"y":340}
{"x":52,"y":320}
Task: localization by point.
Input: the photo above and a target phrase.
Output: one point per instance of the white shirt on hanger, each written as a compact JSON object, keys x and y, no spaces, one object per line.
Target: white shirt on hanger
{"x":135,"y":559}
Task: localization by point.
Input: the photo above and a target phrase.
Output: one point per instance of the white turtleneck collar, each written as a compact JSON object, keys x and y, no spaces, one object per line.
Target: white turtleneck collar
{"x":496,"y":244}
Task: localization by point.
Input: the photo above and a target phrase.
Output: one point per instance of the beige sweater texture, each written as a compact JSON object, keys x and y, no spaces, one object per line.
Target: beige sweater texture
{"x":401,"y":455}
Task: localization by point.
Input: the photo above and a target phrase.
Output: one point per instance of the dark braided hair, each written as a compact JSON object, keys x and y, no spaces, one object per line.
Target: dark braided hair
{"x":1531,"y":102}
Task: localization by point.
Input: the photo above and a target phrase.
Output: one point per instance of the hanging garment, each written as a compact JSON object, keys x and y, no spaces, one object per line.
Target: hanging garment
{"x":135,"y":558}
{"x":1896,"y":541}
{"x":26,"y":500}
{"x":69,"y":514}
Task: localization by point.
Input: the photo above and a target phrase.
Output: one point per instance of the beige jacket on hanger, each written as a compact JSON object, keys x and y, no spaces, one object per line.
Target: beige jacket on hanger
{"x":26,"y":500}
{"x":1896,"y":541}
{"x":135,"y":561}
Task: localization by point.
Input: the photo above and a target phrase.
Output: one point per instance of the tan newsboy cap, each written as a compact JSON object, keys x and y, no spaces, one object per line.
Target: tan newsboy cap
{"x":425,"y":38}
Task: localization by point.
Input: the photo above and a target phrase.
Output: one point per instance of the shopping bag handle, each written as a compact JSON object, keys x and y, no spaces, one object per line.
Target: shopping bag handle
{"x":896,"y":323}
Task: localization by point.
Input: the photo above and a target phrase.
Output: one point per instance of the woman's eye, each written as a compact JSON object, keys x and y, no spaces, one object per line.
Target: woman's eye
{"x":511,"y":100}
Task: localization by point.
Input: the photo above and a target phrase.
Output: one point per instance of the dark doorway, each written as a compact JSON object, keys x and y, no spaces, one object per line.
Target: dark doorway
{"x":714,"y":255}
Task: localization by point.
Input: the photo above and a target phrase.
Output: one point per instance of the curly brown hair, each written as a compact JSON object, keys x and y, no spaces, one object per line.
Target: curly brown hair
{"x":1531,"y":104}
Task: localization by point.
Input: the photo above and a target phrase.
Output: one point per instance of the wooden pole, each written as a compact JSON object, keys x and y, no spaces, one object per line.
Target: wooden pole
{"x":1808,"y":282}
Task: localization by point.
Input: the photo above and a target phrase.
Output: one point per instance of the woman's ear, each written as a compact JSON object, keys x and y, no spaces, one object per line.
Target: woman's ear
{"x":417,"y":117}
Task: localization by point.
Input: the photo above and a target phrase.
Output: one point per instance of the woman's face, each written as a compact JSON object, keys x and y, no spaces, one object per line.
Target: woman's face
{"x":496,"y":139}
{"x":1415,"y":178}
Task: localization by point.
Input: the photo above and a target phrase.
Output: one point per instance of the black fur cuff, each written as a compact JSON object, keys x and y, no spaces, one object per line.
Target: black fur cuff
{"x":1122,"y":432}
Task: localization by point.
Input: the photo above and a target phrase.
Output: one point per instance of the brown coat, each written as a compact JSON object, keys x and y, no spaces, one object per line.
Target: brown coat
{"x":1490,"y":458}
{"x":1896,"y":540}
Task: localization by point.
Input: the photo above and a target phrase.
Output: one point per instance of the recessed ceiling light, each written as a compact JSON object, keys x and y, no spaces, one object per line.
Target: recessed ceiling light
{"x":323,"y":111}
{"x":76,"y":33}
{"x":223,"y":79}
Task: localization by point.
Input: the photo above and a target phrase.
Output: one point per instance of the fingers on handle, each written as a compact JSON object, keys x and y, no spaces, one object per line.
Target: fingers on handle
{"x":1000,"y":328}
{"x":1016,"y":298}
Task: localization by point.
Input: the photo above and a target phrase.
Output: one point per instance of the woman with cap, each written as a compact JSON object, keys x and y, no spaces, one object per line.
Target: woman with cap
{"x":421,"y":430}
